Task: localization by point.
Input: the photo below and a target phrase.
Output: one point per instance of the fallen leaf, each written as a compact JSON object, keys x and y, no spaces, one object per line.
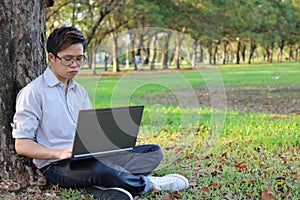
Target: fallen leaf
{"x":284,"y":158}
{"x":189,"y":154}
{"x":208,"y":156}
{"x":176,"y":195}
{"x":196,"y":168}
{"x":218,"y":166}
{"x":198,"y":163}
{"x":213,"y":186}
{"x":280,"y":116}
{"x":260,"y":163}
{"x":224,"y":154}
{"x":204,"y":189}
{"x":252,"y":180}
{"x":165,"y":130}
{"x":241,"y":165}
{"x":223,"y":161}
{"x":296,"y":176}
{"x":56,"y":188}
{"x":156,"y":191}
{"x":267,"y":194}
{"x":167,"y":196}
{"x":177,"y":160}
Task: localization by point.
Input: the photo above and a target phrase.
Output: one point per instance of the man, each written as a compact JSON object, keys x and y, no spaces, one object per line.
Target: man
{"x":45,"y":122}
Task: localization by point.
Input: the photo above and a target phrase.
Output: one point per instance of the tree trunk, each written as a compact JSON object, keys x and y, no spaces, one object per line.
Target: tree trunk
{"x":152,"y":51}
{"x":165,"y":51}
{"x":22,"y":42}
{"x":271,"y":48}
{"x":296,"y":54}
{"x":252,"y":49}
{"x":226,"y":53}
{"x":216,"y":52}
{"x":291,"y":52}
{"x":115,"y":53}
{"x":91,"y":64}
{"x":194,"y":57}
{"x":238,"y":52}
{"x":210,"y":54}
{"x":280,"y":50}
{"x":243,"y":52}
{"x":176,"y":57}
{"x":132,"y":50}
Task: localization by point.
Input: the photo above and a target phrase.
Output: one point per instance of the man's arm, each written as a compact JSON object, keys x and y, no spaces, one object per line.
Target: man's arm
{"x":32,"y":149}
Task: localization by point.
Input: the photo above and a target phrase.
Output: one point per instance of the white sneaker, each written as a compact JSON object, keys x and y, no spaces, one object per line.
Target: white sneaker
{"x":114,"y":193}
{"x":174,"y":182}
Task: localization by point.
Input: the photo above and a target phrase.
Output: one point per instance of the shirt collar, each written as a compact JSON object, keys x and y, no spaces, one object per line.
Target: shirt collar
{"x":52,"y":80}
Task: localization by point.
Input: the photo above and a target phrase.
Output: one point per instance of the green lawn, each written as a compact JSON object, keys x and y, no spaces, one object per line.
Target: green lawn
{"x":240,"y":149}
{"x":233,"y":131}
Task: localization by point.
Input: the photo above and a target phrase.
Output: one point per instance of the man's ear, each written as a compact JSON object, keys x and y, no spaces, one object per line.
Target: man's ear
{"x":51,"y":57}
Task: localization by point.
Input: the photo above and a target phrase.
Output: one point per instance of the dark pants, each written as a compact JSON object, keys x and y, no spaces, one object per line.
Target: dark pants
{"x":126,"y":171}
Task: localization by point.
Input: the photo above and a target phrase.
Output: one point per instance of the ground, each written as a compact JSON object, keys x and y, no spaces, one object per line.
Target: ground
{"x":279,"y":101}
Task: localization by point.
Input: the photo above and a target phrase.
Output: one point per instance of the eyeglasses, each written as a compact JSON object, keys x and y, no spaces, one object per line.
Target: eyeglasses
{"x":68,"y":61}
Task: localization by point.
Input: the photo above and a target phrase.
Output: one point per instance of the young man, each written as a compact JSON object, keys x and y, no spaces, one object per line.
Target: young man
{"x":45,"y":122}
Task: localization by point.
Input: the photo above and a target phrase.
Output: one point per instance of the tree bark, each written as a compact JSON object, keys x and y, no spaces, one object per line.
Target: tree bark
{"x":271,"y":48}
{"x":194,"y":56}
{"x":296,"y":54}
{"x":216,"y":52}
{"x":165,"y":50}
{"x":132,"y":50}
{"x":176,"y":58}
{"x":243,"y":52}
{"x":291,"y":52}
{"x":210,"y":54}
{"x":280,"y":51}
{"x":115,"y":52}
{"x":152,"y":51}
{"x":226,"y":52}
{"x":238,"y":52}
{"x":22,"y":58}
{"x":252,"y":49}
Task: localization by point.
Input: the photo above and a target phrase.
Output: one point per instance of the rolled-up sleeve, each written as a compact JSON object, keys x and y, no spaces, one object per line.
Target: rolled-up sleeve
{"x":28,"y":114}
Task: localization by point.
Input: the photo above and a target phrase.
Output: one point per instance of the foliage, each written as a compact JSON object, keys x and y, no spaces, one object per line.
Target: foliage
{"x":211,"y":23}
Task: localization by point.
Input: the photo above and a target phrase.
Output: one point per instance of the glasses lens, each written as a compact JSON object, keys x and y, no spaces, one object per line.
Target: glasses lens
{"x":69,"y":61}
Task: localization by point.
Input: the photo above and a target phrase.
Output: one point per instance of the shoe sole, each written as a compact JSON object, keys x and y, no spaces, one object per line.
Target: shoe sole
{"x":110,"y":193}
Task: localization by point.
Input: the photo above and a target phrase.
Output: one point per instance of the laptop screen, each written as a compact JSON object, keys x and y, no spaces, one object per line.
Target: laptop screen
{"x":107,"y":129}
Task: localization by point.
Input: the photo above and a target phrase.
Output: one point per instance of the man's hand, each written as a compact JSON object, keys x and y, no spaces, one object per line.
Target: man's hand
{"x":32,"y":149}
{"x":66,"y":153}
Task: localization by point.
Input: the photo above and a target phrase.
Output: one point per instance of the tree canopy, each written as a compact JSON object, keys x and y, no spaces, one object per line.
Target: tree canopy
{"x":228,"y":30}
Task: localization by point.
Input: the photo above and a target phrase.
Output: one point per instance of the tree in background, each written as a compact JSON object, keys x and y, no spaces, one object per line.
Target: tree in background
{"x":224,"y":31}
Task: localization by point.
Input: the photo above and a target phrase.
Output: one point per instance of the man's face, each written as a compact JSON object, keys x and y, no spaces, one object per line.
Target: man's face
{"x":66,"y":64}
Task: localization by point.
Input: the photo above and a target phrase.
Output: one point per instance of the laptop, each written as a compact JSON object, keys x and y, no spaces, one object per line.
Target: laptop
{"x":106,"y":131}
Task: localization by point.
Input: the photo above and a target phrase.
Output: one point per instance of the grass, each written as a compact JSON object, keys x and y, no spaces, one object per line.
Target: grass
{"x":242,"y":149}
{"x":252,"y":152}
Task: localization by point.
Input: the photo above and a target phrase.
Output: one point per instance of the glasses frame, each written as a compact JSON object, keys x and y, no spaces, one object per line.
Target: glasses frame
{"x":73,"y":60}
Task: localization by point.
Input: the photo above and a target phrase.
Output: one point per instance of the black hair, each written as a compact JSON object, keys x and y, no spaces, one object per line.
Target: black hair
{"x":63,"y":37}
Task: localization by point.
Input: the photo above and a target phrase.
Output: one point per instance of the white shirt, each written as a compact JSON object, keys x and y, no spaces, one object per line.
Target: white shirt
{"x":48,"y":115}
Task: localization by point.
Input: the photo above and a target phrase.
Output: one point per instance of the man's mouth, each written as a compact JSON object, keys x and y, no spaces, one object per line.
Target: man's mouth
{"x":73,"y":72}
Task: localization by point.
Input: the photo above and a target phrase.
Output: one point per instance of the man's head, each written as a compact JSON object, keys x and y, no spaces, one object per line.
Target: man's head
{"x":63,"y":37}
{"x":66,"y":46}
